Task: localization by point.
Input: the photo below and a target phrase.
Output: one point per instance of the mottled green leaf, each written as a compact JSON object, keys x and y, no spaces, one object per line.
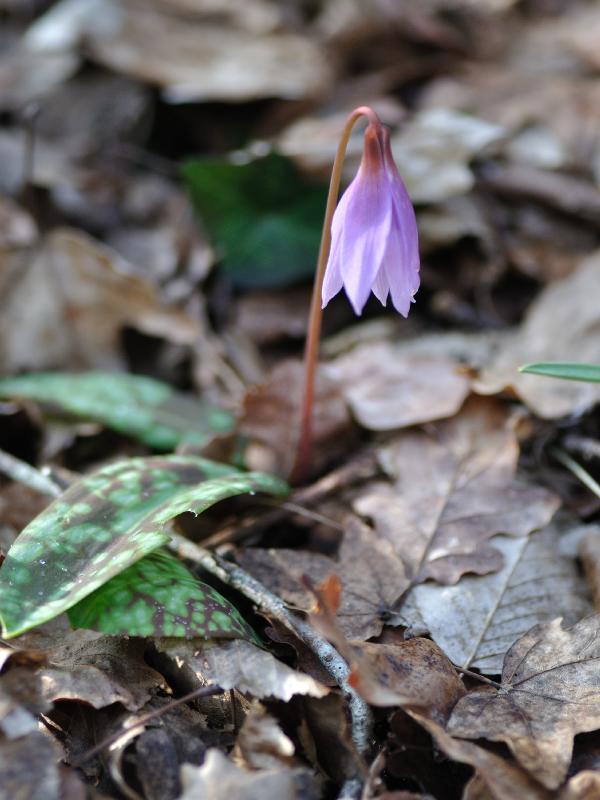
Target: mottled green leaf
{"x":104,"y":523}
{"x":264,"y":217}
{"x":135,"y":405}
{"x":158,"y":596}
{"x":570,"y":371}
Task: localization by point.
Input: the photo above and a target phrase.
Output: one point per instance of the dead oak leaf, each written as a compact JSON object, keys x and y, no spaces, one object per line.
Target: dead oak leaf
{"x":550,"y":692}
{"x":413,"y":673}
{"x":454,"y":488}
{"x":569,"y":306}
{"x":371,"y":574}
{"x":388,"y":386}
{"x":67,"y":302}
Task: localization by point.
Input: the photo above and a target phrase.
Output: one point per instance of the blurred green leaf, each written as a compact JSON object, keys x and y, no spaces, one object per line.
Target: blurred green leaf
{"x":264,"y":218}
{"x":135,"y":405}
{"x":567,"y":370}
{"x":104,"y":523}
{"x":158,"y":596}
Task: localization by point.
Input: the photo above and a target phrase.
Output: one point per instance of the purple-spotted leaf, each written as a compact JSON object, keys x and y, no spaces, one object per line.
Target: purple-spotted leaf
{"x":103,"y":524}
{"x":135,"y":405}
{"x":158,"y":596}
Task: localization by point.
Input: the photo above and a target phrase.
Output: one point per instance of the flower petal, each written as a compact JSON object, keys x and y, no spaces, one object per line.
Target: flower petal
{"x":332,"y":282}
{"x":365,"y":219}
{"x":401,"y":260}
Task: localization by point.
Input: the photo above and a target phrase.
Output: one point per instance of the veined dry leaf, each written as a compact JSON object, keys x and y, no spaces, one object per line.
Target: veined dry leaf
{"x":99,"y":670}
{"x":505,"y":781}
{"x":550,"y":692}
{"x":240,"y":665}
{"x":477,"y":620}
{"x":66,"y":305}
{"x":569,"y":306}
{"x":455,"y":487}
{"x":414,"y":673}
{"x":389,"y":387}
{"x":219,"y":779}
{"x":371,"y":574}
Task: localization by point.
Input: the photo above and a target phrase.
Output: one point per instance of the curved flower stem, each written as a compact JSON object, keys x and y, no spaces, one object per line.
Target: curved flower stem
{"x":311,"y":349}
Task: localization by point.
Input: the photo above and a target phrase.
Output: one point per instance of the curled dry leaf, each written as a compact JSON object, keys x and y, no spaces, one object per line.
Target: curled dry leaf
{"x":414,"y":673}
{"x":478,"y":619}
{"x":99,"y":671}
{"x":503,"y":780}
{"x":550,"y":692}
{"x":240,"y":665}
{"x":371,"y":574}
{"x":67,"y":303}
{"x":454,"y":488}
{"x":219,"y":779}
{"x":569,"y":306}
{"x":389,"y":387}
{"x":271,"y":416}
{"x":261,"y":744}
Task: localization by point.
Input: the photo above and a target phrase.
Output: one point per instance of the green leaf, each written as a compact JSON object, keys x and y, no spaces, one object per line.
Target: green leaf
{"x":158,"y":596}
{"x":569,"y":371}
{"x":263,"y":216}
{"x":103,"y":524}
{"x":140,"y":407}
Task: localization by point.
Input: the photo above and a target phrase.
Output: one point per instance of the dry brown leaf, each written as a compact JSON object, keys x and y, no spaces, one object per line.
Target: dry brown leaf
{"x":505,"y":781}
{"x":413,"y":673}
{"x":67,"y":303}
{"x":371,"y":574}
{"x":550,"y":692}
{"x":219,"y":779}
{"x":477,"y":620}
{"x":191,"y":59}
{"x":389,"y":387}
{"x":455,"y":488}
{"x":99,"y":670}
{"x":241,"y":665}
{"x":29,"y":768}
{"x":569,"y":307}
{"x":261,"y":744}
{"x":272,"y":417}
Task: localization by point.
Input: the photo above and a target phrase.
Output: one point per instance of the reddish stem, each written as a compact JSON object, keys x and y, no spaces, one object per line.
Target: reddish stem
{"x":301,"y":466}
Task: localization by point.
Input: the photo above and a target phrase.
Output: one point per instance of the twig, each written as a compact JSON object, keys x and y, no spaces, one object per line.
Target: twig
{"x":360,"y":468}
{"x":203,"y":691}
{"x":234,"y":576}
{"x":22,"y":472}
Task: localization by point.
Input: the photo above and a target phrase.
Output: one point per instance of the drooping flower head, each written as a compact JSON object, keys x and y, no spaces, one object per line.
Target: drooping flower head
{"x":374,"y":239}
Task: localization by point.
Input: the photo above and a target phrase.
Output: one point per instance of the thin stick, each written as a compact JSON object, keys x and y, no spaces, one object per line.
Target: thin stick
{"x":22,"y":472}
{"x":203,"y":691}
{"x":234,"y":576}
{"x":311,"y":350}
{"x":577,"y":470}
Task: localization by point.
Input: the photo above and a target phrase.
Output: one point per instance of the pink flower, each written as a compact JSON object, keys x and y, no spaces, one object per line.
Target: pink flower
{"x":374,"y":239}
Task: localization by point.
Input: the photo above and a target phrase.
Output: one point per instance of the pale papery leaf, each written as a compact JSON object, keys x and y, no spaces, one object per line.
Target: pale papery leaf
{"x":568,"y":306}
{"x":479,"y":618}
{"x":233,"y":665}
{"x":550,"y":692}
{"x":454,"y":487}
{"x":372,"y":577}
